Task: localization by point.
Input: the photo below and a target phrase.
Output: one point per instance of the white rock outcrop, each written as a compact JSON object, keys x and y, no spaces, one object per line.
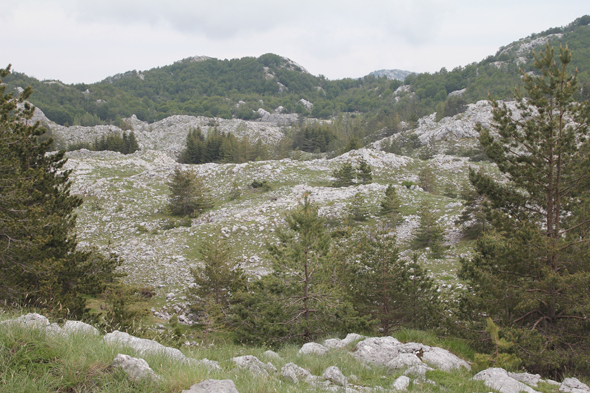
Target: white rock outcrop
{"x":334,"y":375}
{"x":213,"y":386}
{"x":573,"y":385}
{"x":136,"y":369}
{"x":254,"y":365}
{"x":293,"y":373}
{"x":498,"y":379}
{"x":312,"y":348}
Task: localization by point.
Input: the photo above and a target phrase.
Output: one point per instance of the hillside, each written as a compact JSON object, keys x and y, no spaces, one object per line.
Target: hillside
{"x":238,"y":88}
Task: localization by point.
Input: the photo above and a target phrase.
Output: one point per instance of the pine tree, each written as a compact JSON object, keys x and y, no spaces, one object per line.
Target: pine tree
{"x":390,"y":205}
{"x":395,"y":292}
{"x":363,"y":172}
{"x":298,"y":302}
{"x":39,"y":261}
{"x":189,"y":196}
{"x":344,"y":175}
{"x":216,"y":281}
{"x":357,"y":208}
{"x":427,"y":179}
{"x":429,"y":233}
{"x":532,"y":273}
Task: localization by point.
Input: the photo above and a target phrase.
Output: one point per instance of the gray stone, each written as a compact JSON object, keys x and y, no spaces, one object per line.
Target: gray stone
{"x":312,"y":348}
{"x":213,"y":386}
{"x":77,"y":327}
{"x":401,"y":383}
{"x":529,"y":379}
{"x":383,"y":350}
{"x":272,"y":354}
{"x":573,"y":385}
{"x":334,"y":375}
{"x":418,"y":372}
{"x":253,"y":364}
{"x":497,"y":378}
{"x":136,"y":369}
{"x":30,"y":320}
{"x":293,"y":373}
{"x":404,"y":360}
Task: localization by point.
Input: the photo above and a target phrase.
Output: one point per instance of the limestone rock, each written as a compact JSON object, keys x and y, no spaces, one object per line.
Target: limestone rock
{"x":401,"y":383}
{"x":30,"y":320}
{"x":293,"y":373}
{"x":573,"y":385}
{"x":498,"y":379}
{"x":334,"y":375}
{"x":418,"y":372}
{"x":383,"y":350}
{"x":404,"y":360}
{"x":529,"y":379}
{"x":213,"y":386}
{"x":136,"y":369}
{"x":77,"y":327}
{"x":312,"y":348}
{"x":253,"y":364}
{"x":337,"y":343}
{"x":271,"y":354}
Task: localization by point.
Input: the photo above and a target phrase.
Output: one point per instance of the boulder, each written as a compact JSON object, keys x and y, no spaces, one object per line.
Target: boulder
{"x":334,"y":375}
{"x":77,"y":327}
{"x":213,"y":386}
{"x":136,"y":369}
{"x":255,"y":366}
{"x":529,"y":379}
{"x":401,"y":383}
{"x":293,"y":373}
{"x":404,"y":360}
{"x":312,"y":348}
{"x":573,"y":385}
{"x":389,"y":352}
{"x":271,"y":354}
{"x":418,"y":372}
{"x":498,"y":379}
{"x":31,"y":320}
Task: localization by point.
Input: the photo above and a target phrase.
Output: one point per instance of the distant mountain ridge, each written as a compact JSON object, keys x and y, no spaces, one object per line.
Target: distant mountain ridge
{"x":392,"y":74}
{"x":240,"y":88}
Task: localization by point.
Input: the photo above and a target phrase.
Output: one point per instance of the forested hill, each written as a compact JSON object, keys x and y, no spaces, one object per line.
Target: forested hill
{"x":202,"y":86}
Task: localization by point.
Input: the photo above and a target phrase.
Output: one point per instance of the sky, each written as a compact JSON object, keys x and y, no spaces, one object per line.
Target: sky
{"x":85,"y":41}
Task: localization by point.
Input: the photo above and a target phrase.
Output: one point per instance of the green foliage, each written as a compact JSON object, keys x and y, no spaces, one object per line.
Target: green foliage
{"x":500,"y":358}
{"x":344,"y":175}
{"x":427,"y":180}
{"x":451,"y":107}
{"x":390,"y":205}
{"x":357,"y":208}
{"x":189,"y":196}
{"x":297,"y":302}
{"x":429,"y":233}
{"x":40,"y":264}
{"x":313,"y":138}
{"x":216,"y":280}
{"x":532,"y":273}
{"x":393,"y":291}
{"x":364,"y":172}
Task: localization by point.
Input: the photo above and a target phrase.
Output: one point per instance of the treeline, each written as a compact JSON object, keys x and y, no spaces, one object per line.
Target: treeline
{"x":220,"y":147}
{"x":123,"y":143}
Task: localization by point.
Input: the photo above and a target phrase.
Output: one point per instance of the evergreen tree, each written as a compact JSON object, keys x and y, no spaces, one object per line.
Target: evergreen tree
{"x":427,"y":179}
{"x":357,"y":208}
{"x":297,"y":302}
{"x":396,"y":292}
{"x":39,"y":261}
{"x":363,"y":172}
{"x":344,"y":175}
{"x":217,"y":280}
{"x":189,"y":196}
{"x":390,"y":205}
{"x":429,"y":233}
{"x":531,"y":275}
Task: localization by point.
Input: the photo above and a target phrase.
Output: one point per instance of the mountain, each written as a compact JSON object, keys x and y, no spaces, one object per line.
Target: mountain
{"x":238,"y":88}
{"x":391,"y":74}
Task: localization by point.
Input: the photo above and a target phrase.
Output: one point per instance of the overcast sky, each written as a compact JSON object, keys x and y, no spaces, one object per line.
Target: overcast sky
{"x":87,"y":40}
